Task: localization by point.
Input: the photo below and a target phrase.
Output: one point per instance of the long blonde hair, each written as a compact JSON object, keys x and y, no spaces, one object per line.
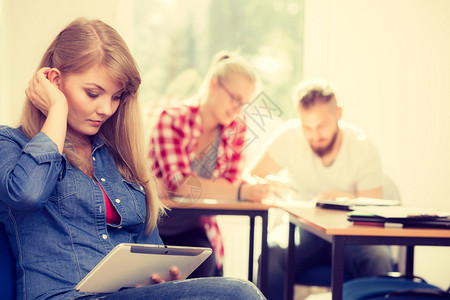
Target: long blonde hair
{"x":81,"y":45}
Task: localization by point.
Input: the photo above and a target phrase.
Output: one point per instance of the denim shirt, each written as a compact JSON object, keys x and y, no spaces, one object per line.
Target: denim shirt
{"x":55,"y":215}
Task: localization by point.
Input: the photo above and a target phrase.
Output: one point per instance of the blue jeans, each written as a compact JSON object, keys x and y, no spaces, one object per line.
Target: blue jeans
{"x":359,"y":261}
{"x":199,"y":288}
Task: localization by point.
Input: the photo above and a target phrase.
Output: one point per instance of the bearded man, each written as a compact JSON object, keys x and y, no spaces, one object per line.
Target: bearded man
{"x":325,"y":158}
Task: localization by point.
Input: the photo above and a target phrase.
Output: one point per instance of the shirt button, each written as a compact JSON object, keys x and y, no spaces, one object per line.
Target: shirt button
{"x":104,"y":236}
{"x":119,"y":227}
{"x":103,"y":179}
{"x":117,"y":200}
{"x":93,"y":158}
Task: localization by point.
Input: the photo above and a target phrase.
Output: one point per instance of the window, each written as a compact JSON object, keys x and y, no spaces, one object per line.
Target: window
{"x":175,"y":41}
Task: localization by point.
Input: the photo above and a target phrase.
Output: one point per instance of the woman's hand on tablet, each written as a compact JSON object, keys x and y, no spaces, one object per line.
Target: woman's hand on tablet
{"x":174,"y":273}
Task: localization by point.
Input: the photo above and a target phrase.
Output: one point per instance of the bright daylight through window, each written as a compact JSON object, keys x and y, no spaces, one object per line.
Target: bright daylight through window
{"x":175,"y":41}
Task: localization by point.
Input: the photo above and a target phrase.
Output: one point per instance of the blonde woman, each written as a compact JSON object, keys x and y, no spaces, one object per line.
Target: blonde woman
{"x":197,"y":152}
{"x":73,"y":182}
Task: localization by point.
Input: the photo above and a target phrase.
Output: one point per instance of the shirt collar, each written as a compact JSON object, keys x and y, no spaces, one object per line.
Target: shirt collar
{"x":97,"y":143}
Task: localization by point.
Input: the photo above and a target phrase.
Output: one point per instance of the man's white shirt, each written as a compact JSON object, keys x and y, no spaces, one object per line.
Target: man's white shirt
{"x":357,"y":166}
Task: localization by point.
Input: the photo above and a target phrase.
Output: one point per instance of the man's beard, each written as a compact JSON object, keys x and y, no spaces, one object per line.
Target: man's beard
{"x":321,"y":152}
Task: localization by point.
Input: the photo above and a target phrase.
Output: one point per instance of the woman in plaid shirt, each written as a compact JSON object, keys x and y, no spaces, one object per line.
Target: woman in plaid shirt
{"x":196,"y":150}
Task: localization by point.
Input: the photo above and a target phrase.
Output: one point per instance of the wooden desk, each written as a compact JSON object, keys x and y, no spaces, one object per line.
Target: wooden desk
{"x":332,"y":225}
{"x":250,"y":209}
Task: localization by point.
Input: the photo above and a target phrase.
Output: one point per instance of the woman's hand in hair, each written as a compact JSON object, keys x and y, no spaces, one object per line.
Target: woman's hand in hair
{"x":43,"y":91}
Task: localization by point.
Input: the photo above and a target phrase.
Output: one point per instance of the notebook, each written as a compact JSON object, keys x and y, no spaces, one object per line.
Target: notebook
{"x":350,"y":203}
{"x":400,"y":217}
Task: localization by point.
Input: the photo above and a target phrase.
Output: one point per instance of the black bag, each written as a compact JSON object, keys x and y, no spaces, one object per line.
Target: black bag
{"x":392,"y":288}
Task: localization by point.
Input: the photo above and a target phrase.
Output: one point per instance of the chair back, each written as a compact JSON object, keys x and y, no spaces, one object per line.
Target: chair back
{"x":7,"y":268}
{"x":390,"y":189}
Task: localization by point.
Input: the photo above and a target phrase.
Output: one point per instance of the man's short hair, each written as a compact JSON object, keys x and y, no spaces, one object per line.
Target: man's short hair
{"x":308,"y":93}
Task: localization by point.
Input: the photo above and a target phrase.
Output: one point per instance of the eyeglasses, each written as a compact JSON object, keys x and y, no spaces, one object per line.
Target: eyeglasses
{"x":237,"y":102}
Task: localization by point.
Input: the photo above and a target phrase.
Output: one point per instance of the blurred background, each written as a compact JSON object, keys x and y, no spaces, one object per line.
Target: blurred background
{"x":388,"y":59}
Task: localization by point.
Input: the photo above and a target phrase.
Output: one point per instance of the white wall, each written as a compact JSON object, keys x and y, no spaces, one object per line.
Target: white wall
{"x":390,"y":63}
{"x":27,"y":28}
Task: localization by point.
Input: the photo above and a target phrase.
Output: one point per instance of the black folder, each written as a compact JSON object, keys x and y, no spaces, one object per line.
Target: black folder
{"x":417,"y":221}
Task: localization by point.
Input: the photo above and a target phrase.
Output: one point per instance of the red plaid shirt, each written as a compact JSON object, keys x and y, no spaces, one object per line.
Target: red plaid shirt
{"x":175,"y":139}
{"x":172,"y":149}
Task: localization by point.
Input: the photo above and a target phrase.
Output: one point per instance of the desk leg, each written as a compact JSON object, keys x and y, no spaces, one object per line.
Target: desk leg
{"x":264,"y":254}
{"x":409,"y":268}
{"x":290,"y":265}
{"x":251,"y":248}
{"x":337,"y":266}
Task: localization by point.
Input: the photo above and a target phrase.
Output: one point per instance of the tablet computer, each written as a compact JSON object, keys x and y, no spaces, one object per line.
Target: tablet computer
{"x":129,"y":265}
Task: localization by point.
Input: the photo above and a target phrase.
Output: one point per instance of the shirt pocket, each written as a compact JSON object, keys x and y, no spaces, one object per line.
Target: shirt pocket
{"x":64,"y":196}
{"x":137,"y":193}
{"x":64,"y":188}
